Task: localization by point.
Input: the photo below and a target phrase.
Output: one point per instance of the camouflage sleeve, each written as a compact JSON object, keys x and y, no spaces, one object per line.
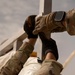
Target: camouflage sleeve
{"x":26,"y":49}
{"x":16,"y":62}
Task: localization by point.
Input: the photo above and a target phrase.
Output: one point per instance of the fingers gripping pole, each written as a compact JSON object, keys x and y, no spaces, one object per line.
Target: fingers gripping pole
{"x":69,"y":59}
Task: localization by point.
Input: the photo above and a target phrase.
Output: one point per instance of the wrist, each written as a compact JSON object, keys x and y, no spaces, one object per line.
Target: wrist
{"x":32,"y":36}
{"x":32,"y":41}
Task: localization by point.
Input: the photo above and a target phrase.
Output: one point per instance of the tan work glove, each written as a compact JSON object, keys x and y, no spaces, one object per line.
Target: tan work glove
{"x":41,"y":26}
{"x":46,"y":25}
{"x":50,"y":67}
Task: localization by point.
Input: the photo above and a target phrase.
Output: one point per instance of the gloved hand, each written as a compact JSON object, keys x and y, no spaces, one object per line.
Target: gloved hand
{"x":29,"y":26}
{"x":41,"y":26}
{"x":47,"y":25}
{"x":48,"y":45}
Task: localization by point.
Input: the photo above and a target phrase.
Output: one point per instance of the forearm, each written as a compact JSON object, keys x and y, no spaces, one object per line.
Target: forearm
{"x":32,"y":41}
{"x":16,"y":62}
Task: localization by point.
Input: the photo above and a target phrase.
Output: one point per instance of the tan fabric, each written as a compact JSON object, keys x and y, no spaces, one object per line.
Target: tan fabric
{"x":30,"y":66}
{"x":6,"y":57}
{"x":50,"y":67}
{"x":52,"y":25}
{"x":47,"y":25}
{"x":16,"y":62}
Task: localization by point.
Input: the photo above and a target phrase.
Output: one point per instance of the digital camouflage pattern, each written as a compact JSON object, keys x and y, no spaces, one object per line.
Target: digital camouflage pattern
{"x":15,"y":64}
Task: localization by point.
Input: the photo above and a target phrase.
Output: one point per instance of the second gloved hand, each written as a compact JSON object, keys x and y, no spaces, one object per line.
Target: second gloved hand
{"x":29,"y":26}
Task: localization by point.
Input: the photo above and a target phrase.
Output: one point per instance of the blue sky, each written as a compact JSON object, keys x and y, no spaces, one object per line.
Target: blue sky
{"x":13,"y":14}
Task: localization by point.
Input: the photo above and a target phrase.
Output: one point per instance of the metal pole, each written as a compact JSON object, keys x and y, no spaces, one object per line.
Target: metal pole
{"x":69,"y":59}
{"x":44,"y":8}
